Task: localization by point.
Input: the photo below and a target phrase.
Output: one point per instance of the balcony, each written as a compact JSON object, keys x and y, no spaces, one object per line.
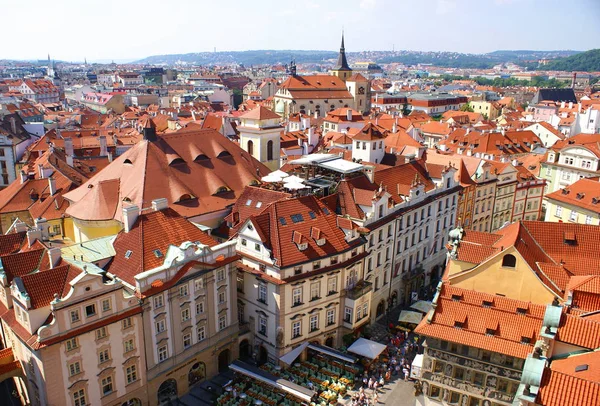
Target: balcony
{"x":359,"y":290}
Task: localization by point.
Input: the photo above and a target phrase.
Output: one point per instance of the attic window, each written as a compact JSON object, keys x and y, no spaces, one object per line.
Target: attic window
{"x":282,"y":221}
{"x":581,"y":368}
{"x":128,"y":254}
{"x":458,"y":324}
{"x":325,"y":210}
{"x":296,"y":218}
{"x":258,"y":205}
{"x":184,"y":197}
{"x":157,"y":253}
{"x":488,"y":303}
{"x":126,"y":199}
{"x":580,"y":196}
{"x":570,"y":238}
{"x":128,"y":162}
{"x":224,"y":154}
{"x":525,"y":340}
{"x":490,"y":331}
{"x":248,"y":202}
{"x":201,"y":157}
{"x":456,"y":298}
{"x":312,"y":215}
{"x":565,"y":191}
{"x":595,"y":200}
{"x":222,"y":189}
{"x":176,"y":161}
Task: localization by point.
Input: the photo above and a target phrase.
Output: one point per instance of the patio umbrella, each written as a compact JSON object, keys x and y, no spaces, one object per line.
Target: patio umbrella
{"x":279,"y":173}
{"x":294,"y":178}
{"x":294,"y":185}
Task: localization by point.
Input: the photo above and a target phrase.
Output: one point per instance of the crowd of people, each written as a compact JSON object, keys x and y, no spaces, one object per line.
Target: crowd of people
{"x":401,"y":350}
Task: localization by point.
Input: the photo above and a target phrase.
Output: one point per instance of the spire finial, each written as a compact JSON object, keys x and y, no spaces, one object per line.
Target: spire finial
{"x":342,"y":47}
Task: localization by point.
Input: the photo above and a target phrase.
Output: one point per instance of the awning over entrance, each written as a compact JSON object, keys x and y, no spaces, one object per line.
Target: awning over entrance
{"x":422,"y":306}
{"x":291,"y":356}
{"x":366,"y":348}
{"x":333,"y":353}
{"x":260,"y":375}
{"x":406,"y":316}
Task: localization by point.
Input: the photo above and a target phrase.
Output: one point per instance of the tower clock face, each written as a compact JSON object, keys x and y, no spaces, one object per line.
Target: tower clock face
{"x":361,"y":90}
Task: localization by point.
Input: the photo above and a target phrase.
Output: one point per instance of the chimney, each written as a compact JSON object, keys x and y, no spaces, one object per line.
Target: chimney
{"x":305,"y":122}
{"x":562,"y":105}
{"x":160,"y":204}
{"x":69,"y":159}
{"x":110,"y":157}
{"x":52,"y":185}
{"x":19,"y":226}
{"x":349,"y":115}
{"x":44,"y":172}
{"x":13,"y":125}
{"x":193,"y":116}
{"x":103,"y":145}
{"x":570,"y":105}
{"x":54,"y":256}
{"x":130,"y":215}
{"x":33,"y":235}
{"x":69,"y":147}
{"x":23,"y":176}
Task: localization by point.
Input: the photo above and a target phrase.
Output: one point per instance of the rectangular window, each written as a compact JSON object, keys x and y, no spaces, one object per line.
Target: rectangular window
{"x":158,"y":301}
{"x":74,"y":316}
{"x":314,"y":322}
{"x":185,"y":314}
{"x":163,"y":353}
{"x":183,"y":290}
{"x":588,"y":219}
{"x":131,"y":374}
{"x":296,"y":329}
{"x":71,"y":344}
{"x":262,"y":325}
{"x":128,"y":345}
{"x":200,"y":307}
{"x":198,"y":284}
{"x":90,"y":310}
{"x":573,"y":216}
{"x":221,"y":297}
{"x":187,"y":340}
{"x":103,"y":356}
{"x":105,"y":305}
{"x":126,"y":323}
{"x":330,"y":317}
{"x":201,"y":333}
{"x":79,"y":398}
{"x":222,"y":322}
{"x":558,"y":211}
{"x":316,"y":265}
{"x":332,"y":285}
{"x":101,"y":333}
{"x":348,"y":314}
{"x":74,"y":368}
{"x":315,"y":289}
{"x":220,"y":275}
{"x":107,"y":386}
{"x":160,"y":326}
{"x":297,"y":296}
{"x":262,"y":293}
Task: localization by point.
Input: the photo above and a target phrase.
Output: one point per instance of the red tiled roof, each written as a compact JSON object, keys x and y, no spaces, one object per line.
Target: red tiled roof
{"x":21,"y":263}
{"x":560,"y":389}
{"x":583,"y":193}
{"x":587,"y":141}
{"x":11,"y":243}
{"x":152,"y":231}
{"x":466,"y":306}
{"x":278,"y":237}
{"x":347,"y":192}
{"x":582,"y":332}
{"x":42,"y":286}
{"x":198,"y":171}
{"x":399,"y":179}
{"x":260,"y":113}
{"x":369,"y":132}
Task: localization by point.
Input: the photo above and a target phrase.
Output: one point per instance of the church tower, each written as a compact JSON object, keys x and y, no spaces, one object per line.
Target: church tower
{"x":260,"y":131}
{"x":341,"y":69}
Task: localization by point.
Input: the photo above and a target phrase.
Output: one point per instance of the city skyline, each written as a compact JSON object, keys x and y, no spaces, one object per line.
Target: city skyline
{"x":369,"y":25}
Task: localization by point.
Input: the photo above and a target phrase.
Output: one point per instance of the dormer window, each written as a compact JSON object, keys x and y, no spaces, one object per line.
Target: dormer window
{"x":490,"y":331}
{"x":458,"y":324}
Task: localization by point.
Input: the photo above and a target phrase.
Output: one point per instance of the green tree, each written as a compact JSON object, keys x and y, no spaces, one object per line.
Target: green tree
{"x":467,"y":107}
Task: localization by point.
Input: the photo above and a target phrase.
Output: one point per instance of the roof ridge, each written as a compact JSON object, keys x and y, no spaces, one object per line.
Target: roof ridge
{"x":536,"y":243}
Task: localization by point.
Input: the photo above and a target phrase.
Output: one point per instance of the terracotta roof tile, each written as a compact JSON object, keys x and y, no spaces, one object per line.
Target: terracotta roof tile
{"x":584,"y":193}
{"x":260,"y":113}
{"x":21,"y":263}
{"x":579,"y":331}
{"x":11,"y":243}
{"x":42,"y":286}
{"x":560,"y":389}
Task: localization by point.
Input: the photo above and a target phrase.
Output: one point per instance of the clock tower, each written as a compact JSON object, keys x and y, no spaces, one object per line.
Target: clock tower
{"x":360,"y":89}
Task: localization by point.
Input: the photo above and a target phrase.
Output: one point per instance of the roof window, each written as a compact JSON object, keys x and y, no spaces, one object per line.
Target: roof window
{"x":490,"y":331}
{"x":258,"y":205}
{"x":487,"y":303}
{"x":525,"y":340}
{"x":282,"y":221}
{"x":521,"y":310}
{"x":297,"y":218}
{"x":456,"y":298}
{"x":458,"y":324}
{"x":157,"y":253}
{"x":581,"y":368}
{"x":248,"y":202}
{"x":312,"y":215}
{"x":325,"y":210}
{"x":128,"y":254}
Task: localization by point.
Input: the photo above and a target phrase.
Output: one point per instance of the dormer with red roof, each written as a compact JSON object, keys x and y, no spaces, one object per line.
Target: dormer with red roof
{"x":368,"y":144}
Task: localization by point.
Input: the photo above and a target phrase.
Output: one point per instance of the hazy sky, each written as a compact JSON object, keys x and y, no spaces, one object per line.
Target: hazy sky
{"x":129,"y":29}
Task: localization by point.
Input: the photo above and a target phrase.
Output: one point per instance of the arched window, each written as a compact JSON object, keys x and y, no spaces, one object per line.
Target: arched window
{"x":509,"y":261}
{"x":250,"y":147}
{"x":270,"y":150}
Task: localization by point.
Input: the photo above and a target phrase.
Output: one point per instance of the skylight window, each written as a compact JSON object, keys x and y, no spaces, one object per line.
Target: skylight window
{"x":157,"y":253}
{"x":249,"y":202}
{"x":312,"y":215}
{"x":487,"y":303}
{"x":325,"y":210}
{"x":128,"y":254}
{"x":521,"y":310}
{"x":258,"y":205}
{"x":581,"y":368}
{"x":296,"y":218}
{"x":282,"y":221}
{"x":525,"y":340}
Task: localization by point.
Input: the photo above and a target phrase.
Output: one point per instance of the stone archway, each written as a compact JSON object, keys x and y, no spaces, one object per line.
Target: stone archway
{"x":380,"y":308}
{"x":263,"y":355}
{"x":224,"y":358}
{"x":197,"y":373}
{"x":167,"y":392}
{"x":329,"y":342}
{"x":245,"y":351}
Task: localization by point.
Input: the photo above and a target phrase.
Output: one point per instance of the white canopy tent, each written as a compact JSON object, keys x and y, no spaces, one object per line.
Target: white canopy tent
{"x":406,"y":316}
{"x":422,"y":306}
{"x":417,"y":364}
{"x":291,"y":356}
{"x":293,"y":178}
{"x":295,"y":186}
{"x":279,"y":174}
{"x":366,"y":348}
